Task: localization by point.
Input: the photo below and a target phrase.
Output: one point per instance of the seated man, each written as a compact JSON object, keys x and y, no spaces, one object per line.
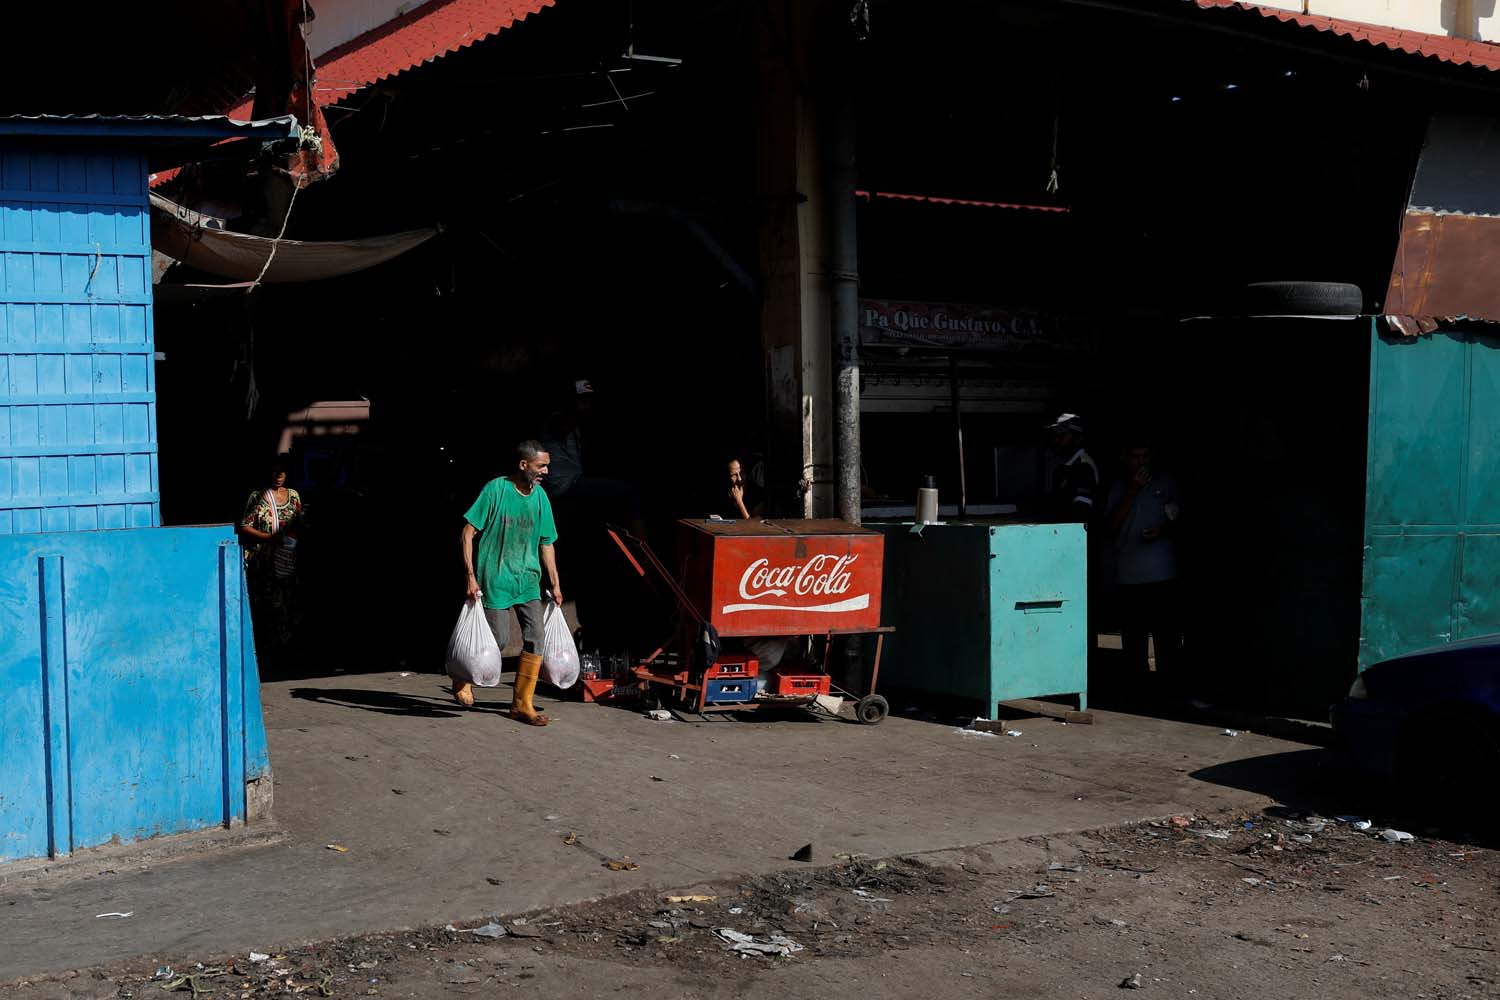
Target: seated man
{"x":744,"y":500}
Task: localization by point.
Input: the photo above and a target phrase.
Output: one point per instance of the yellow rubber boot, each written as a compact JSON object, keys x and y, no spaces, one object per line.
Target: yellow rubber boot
{"x":520,"y":705}
{"x":463,"y":693}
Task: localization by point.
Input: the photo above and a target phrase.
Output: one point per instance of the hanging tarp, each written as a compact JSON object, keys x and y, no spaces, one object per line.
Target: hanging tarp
{"x":200,"y":242}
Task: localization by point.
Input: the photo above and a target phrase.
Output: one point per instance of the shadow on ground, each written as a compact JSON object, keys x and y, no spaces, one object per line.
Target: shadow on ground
{"x":1320,"y":782}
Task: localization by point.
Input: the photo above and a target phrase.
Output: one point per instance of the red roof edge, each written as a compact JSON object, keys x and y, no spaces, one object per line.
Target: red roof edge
{"x":1456,"y":51}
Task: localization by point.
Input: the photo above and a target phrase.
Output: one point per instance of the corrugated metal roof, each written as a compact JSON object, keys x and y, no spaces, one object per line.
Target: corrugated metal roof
{"x":1458,"y":51}
{"x":434,"y":29}
{"x":169,"y":127}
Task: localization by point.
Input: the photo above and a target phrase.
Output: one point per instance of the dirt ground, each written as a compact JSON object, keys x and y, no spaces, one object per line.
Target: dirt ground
{"x":1228,"y":905}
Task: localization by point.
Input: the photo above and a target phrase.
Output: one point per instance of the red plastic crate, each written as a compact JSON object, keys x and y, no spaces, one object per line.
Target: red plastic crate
{"x":733,"y":665}
{"x":799,"y":684}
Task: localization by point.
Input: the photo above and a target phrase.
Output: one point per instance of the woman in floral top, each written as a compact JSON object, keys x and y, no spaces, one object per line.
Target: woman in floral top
{"x":268,"y":531}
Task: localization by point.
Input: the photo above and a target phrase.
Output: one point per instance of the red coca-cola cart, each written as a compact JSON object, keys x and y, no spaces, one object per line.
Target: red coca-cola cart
{"x":741,"y":583}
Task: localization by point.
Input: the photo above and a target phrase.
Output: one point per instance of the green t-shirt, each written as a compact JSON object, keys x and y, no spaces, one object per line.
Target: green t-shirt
{"x":511,"y":527}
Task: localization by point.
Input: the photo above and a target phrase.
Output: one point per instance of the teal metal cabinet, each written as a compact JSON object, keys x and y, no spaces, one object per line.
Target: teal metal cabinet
{"x":989,"y":613}
{"x":1432,"y":510}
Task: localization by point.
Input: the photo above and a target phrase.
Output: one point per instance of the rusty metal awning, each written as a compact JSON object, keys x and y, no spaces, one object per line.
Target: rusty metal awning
{"x":1447,"y":264}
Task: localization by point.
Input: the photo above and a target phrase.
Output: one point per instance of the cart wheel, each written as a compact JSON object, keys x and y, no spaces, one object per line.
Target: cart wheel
{"x":871,"y":709}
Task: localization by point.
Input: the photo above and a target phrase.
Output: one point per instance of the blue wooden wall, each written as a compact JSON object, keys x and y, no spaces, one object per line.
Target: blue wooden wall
{"x":77,"y":380}
{"x":131,"y":703}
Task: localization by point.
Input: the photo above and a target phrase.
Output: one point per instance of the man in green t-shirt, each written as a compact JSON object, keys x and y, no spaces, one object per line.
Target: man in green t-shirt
{"x":513,"y":519}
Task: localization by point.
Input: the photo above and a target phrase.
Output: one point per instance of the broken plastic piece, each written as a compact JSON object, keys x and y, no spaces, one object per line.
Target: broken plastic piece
{"x":489,"y":930}
{"x":1396,"y":836}
{"x":776,"y":944}
{"x":337,"y":847}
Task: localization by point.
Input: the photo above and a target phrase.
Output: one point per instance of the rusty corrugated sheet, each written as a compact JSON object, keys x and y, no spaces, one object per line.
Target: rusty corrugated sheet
{"x":1447,"y":265}
{"x":1447,"y":262}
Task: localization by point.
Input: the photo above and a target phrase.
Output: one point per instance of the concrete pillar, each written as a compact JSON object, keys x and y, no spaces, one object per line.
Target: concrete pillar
{"x":795,"y":311}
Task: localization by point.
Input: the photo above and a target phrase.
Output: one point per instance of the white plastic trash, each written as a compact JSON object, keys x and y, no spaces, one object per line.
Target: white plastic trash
{"x":559,"y":655}
{"x":473,"y":653}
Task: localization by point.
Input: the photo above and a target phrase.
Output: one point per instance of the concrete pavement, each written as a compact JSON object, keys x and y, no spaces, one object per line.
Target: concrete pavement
{"x":449,"y":815}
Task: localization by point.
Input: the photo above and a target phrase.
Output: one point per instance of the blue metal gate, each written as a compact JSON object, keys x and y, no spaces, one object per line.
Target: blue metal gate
{"x":131,"y":703}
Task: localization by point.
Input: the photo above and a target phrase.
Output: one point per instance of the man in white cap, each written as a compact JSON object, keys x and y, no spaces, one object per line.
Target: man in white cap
{"x":1070,"y":496}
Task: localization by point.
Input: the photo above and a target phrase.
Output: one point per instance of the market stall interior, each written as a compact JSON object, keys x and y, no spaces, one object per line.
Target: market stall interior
{"x":1065,"y":182}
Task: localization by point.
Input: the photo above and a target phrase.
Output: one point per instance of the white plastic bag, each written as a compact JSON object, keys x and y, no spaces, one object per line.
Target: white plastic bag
{"x":559,"y":655}
{"x":473,"y":654}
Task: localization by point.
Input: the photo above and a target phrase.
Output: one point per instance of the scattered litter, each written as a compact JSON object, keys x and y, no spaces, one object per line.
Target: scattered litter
{"x":551,"y":819}
{"x":1058,"y":866}
{"x":1131,"y":982}
{"x":804,"y":853}
{"x":1313,"y":824}
{"x":1017,"y":732}
{"x":1118,"y":923}
{"x":258,"y":957}
{"x":1000,"y":908}
{"x":1249,"y":825}
{"x":398,"y":791}
{"x":1214,"y":834}
{"x":165,"y":971}
{"x":622,"y":865}
{"x":974,"y":732}
{"x":691,"y":899}
{"x":443,"y":833}
{"x":1182,"y":822}
{"x":1302,"y":838}
{"x":406,"y":673}
{"x":489,"y":930}
{"x":1039,"y":891}
{"x":1335,"y":958}
{"x":736,"y":910}
{"x":1227,"y":732}
{"x":870,"y":897}
{"x":674,"y":756}
{"x":655,"y":778}
{"x":337,"y":847}
{"x":118,"y":916}
{"x":776,"y":944}
{"x":659,"y":715}
{"x":1362,"y":825}
{"x":1250,"y":881}
{"x":492,"y":880}
{"x":1396,"y":836}
{"x":570,"y":839}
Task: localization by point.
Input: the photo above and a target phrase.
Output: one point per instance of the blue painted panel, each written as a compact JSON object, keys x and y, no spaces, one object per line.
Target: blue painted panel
{"x":132,"y":704}
{"x":77,"y":372}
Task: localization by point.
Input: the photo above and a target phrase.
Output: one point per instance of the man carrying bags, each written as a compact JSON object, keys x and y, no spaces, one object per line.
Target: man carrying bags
{"x":513,"y":519}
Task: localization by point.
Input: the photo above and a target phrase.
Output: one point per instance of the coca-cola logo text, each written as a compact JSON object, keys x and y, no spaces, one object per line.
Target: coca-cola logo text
{"x":820,"y":575}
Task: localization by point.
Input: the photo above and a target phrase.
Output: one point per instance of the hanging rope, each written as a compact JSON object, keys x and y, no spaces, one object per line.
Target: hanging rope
{"x":1052,"y":173}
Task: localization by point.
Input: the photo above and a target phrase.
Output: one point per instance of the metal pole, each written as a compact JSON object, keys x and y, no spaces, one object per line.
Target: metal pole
{"x":958,"y":427}
{"x":844,"y":261}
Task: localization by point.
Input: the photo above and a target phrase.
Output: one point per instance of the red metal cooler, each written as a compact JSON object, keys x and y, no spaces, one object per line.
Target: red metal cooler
{"x":759,"y":578}
{"x":753,"y":578}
